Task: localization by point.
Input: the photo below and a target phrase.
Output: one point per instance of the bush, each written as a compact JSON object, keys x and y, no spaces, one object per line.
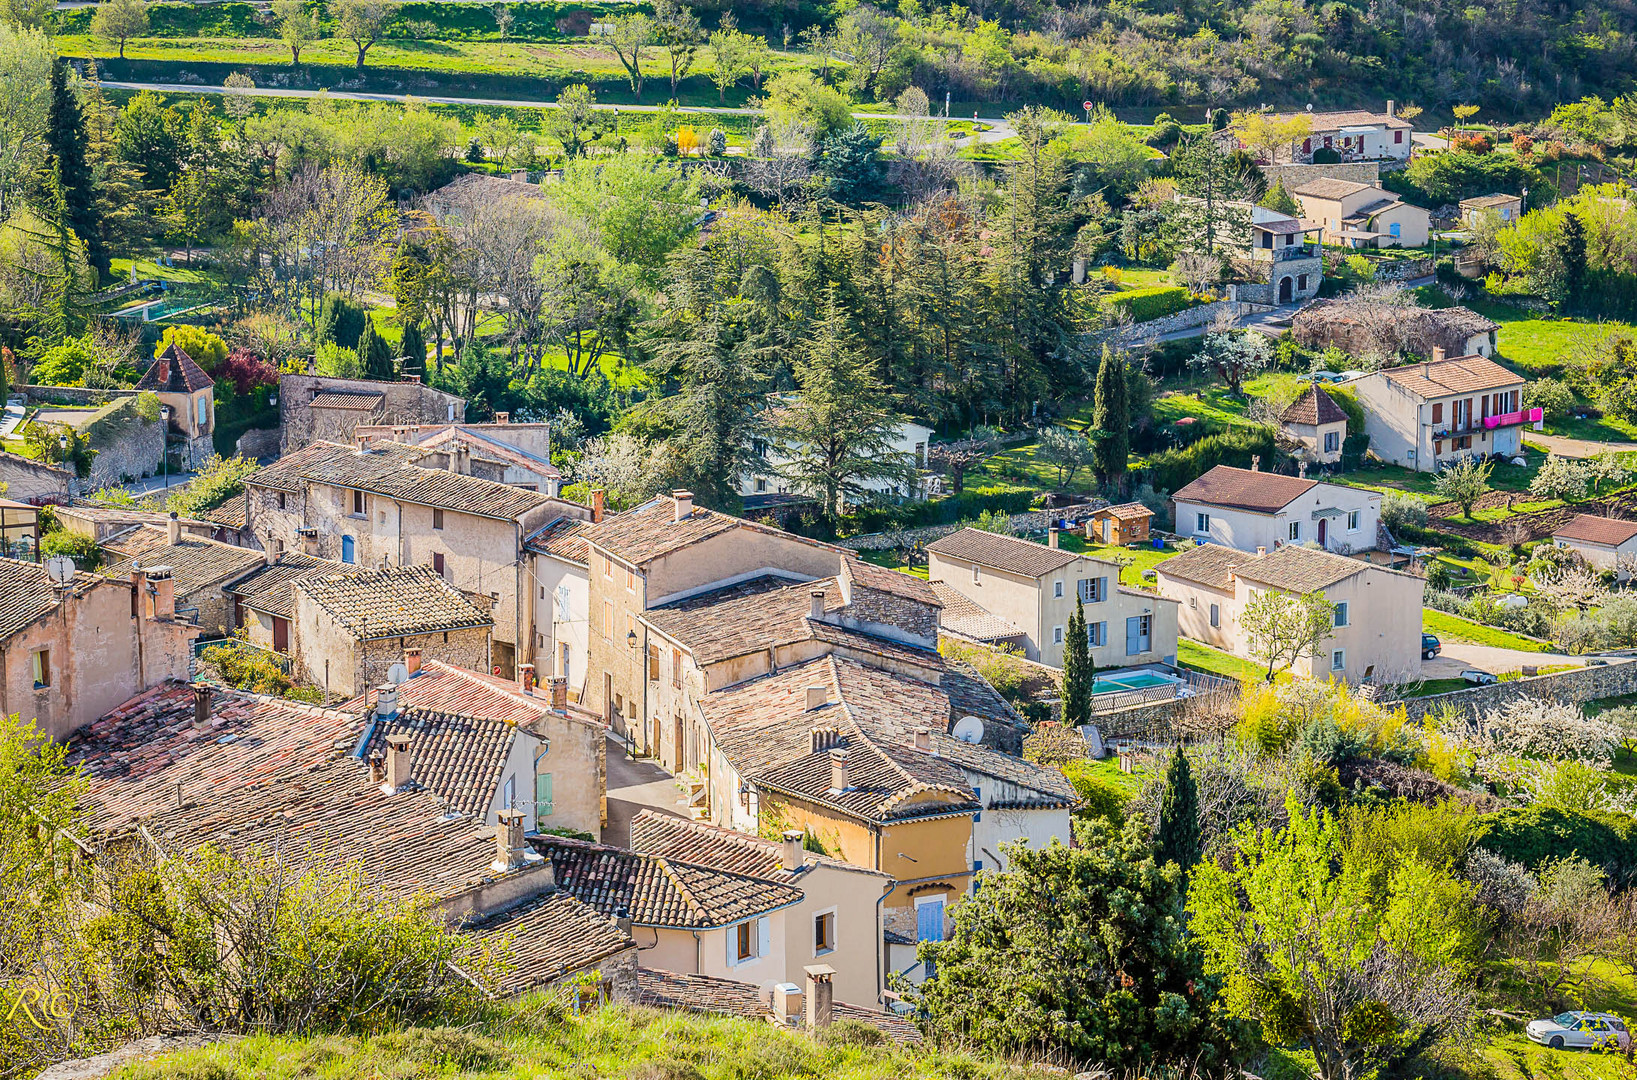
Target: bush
{"x":1154,"y":302}
{"x":1326,"y":155}
{"x":1400,"y":508}
{"x":1536,"y":835}
{"x":219,"y":479}
{"x":1173,"y":469}
{"x":1098,"y":797}
{"x":1551,"y":396}
{"x":203,"y":348}
{"x":246,"y":669}
{"x":82,"y":549}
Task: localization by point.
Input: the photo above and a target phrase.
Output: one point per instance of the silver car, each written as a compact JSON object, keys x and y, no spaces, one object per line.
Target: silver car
{"x":1580,"y":1029}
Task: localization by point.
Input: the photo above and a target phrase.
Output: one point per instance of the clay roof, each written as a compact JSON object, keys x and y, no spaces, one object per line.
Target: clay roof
{"x":562,"y":539}
{"x":1131,"y":511}
{"x":134,"y":757}
{"x":1245,"y":489}
{"x":965,"y":618}
{"x":1446,"y":324}
{"x":174,"y":372}
{"x":887,"y":580}
{"x":1207,"y":564}
{"x":387,"y":468}
{"x":1482,"y":202}
{"x":397,"y":601}
{"x":195,"y":562}
{"x":461,"y":759}
{"x":1328,"y":187}
{"x":1299,"y":569}
{"x":1333,"y":121}
{"x":550,"y":936}
{"x":651,"y":530}
{"x":119,"y":515}
{"x":1285,"y":226}
{"x":1008,"y":553}
{"x":359,"y":400}
{"x":1313,"y":408}
{"x":657,"y":891}
{"x":1457,"y":375}
{"x":1610,"y":532}
{"x":482,"y":442}
{"x":234,"y":513}
{"x":700,"y":844}
{"x":26,"y":593}
{"x":269,"y":588}
{"x":440,"y":687}
{"x":712,"y":996}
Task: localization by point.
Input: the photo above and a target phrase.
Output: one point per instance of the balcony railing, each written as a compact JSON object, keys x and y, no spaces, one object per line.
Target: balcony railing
{"x":1522,"y":416}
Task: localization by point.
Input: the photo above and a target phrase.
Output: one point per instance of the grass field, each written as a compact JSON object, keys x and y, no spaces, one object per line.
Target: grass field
{"x":1454,"y":628}
{"x":1384,"y":477}
{"x":1192,"y":654}
{"x":120,"y":272}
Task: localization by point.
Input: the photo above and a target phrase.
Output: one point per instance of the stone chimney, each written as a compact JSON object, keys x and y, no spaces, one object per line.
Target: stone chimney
{"x":1392,"y":109}
{"x":1437,"y":353}
{"x":1255,"y":462}
{"x":816,"y":611}
{"x":557,"y":687}
{"x":201,"y":706}
{"x":400,"y":764}
{"x":790,"y":850}
{"x":525,"y":678}
{"x":823,"y":738}
{"x":165,"y":368}
{"x":309,"y":542}
{"x":1051,"y":536}
{"x":684,"y":504}
{"x":817,"y":697}
{"x":623,"y":920}
{"x":503,"y":418}
{"x":923,"y":740}
{"x":820,"y":996}
{"x":173,"y":529}
{"x":460,"y":458}
{"x":511,"y":849}
{"x":386,"y":701}
{"x":838,"y":769}
{"x":599,"y":500}
{"x":377,"y":769}
{"x":412,"y":661}
{"x":162,"y":589}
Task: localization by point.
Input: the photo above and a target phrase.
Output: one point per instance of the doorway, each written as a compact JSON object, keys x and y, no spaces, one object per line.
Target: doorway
{"x":1323,"y":530}
{"x":1284,"y":290}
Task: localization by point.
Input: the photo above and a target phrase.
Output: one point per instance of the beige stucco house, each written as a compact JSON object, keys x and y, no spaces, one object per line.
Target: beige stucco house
{"x":1249,"y":509}
{"x":1353,"y":135}
{"x":1035,"y":587}
{"x":1425,"y":416}
{"x":1377,"y":631}
{"x":1317,"y":423}
{"x":1363,"y":215}
{"x":516,"y":454}
{"x":1605,"y":543}
{"x":183,"y":387}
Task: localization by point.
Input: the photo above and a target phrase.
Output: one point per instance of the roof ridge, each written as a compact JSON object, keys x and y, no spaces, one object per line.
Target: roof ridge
{"x":694,"y":905}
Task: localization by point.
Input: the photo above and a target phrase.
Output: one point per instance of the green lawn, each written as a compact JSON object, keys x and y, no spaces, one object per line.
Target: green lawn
{"x":1108,"y":771}
{"x":890,"y":560}
{"x":1201,"y":657}
{"x":1143,"y":558}
{"x":1454,"y":628}
{"x":120,"y":273}
{"x":1529,"y":340}
{"x":1393,"y":477}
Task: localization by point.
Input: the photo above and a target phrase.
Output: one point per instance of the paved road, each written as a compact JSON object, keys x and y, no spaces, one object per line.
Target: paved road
{"x":158,"y":483}
{"x":1459,"y":656}
{"x":1575,"y":448}
{"x":633,"y":786}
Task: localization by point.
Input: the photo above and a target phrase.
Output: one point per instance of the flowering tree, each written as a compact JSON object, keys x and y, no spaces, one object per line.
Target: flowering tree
{"x":1556,"y":730}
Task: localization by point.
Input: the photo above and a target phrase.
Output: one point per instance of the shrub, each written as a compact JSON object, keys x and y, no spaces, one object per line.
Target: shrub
{"x":1551,"y":396}
{"x":246,"y":669}
{"x":1172,"y":469}
{"x":1154,"y":302}
{"x":218,"y":480}
{"x":1400,"y":508}
{"x":1537,"y":835}
{"x":1098,"y":797}
{"x":1478,"y":143}
{"x":82,"y":549}
{"x":246,"y":371}
{"x":203,"y":348}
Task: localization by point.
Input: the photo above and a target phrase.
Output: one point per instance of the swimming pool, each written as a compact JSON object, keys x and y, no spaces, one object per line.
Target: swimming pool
{"x":1136,"y":680}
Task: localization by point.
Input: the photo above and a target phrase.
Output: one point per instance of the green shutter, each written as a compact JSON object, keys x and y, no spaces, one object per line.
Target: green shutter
{"x":542,"y":795}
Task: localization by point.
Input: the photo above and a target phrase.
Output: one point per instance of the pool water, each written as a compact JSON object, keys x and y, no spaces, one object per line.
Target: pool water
{"x":1141,"y":680}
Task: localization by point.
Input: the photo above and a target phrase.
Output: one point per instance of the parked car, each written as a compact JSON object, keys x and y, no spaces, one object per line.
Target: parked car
{"x":1474,"y":677}
{"x":1430,"y":646}
{"x":1580,"y":1029}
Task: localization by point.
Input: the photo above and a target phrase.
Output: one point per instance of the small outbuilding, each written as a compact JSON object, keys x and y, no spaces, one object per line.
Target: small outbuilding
{"x":1124,"y":524}
{"x":1318,"y":423}
{"x":1605,"y":543}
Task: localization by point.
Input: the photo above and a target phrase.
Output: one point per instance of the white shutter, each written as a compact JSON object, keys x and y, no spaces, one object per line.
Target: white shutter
{"x":764,"y":936}
{"x":732,"y":939}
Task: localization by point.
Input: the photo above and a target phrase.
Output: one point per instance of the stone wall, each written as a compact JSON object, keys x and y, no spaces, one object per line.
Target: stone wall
{"x":32,"y":481}
{"x":1294,"y":176}
{"x":1034,"y":520}
{"x":403,"y":402}
{"x":1203,"y":315}
{"x":1582,"y":684}
{"x":467,"y":649}
{"x":258,"y":443}
{"x":70,"y":395}
{"x":128,"y":447}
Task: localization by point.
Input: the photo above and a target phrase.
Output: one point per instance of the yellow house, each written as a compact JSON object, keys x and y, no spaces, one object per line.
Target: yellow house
{"x":1363,"y":215}
{"x":189,"y":393}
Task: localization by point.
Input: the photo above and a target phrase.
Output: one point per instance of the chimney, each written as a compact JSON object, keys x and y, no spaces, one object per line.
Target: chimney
{"x":792,"y":849}
{"x":377,"y":769}
{"x":623,"y":920}
{"x":400,"y":764}
{"x":824,"y":737}
{"x":386,"y":700}
{"x":201,"y":706}
{"x":557,"y":687}
{"x":165,"y":368}
{"x":511,"y":850}
{"x":599,"y":500}
{"x":269,"y":550}
{"x":1051,"y":536}
{"x":820,"y":996}
{"x":412,"y":661}
{"x":1392,"y":108}
{"x":173,"y":529}
{"x":1261,"y":551}
{"x":838,"y":769}
{"x":1255,"y":462}
{"x":923,"y":740}
{"x":1437,"y":353}
{"x":525,"y":678}
{"x":817,"y":609}
{"x":503,"y":418}
{"x":139,"y":592}
{"x":817,"y":697}
{"x":684,"y":504}
{"x":163,"y":590}
{"x":309,"y":541}
{"x":411,"y":378}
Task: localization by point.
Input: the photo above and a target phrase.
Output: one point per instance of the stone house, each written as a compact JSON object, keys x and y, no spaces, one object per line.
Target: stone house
{"x":837,"y":921}
{"x":1376,"y":635}
{"x":1036,"y":587}
{"x":507,"y":453}
{"x":318,"y":408}
{"x":377,"y":506}
{"x":1278,"y":265}
{"x":1358,"y":215}
{"x":1508,"y":208}
{"x":262,"y":603}
{"x":1250,"y":509}
{"x":1365,"y":329}
{"x":71,"y":652}
{"x":200,"y":570}
{"x":1317,"y":424}
{"x":35,"y":482}
{"x":349,"y":629}
{"x":189,"y":393}
{"x":1425,"y":416}
{"x":109,"y":524}
{"x":1353,"y":134}
{"x":1608,"y":544}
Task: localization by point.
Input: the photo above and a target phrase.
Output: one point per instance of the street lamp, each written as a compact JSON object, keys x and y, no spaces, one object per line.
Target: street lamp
{"x":630,"y":733}
{"x":165,"y":451}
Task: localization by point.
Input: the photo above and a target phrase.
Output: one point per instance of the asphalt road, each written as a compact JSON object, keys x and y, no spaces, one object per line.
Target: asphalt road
{"x":634,"y":786}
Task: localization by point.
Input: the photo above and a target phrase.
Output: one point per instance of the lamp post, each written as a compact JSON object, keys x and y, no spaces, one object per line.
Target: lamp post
{"x":165,"y":451}
{"x":630,"y":733}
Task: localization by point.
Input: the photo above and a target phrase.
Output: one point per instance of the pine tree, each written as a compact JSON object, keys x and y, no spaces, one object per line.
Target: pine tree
{"x":1078,"y":671}
{"x":1178,"y":837}
{"x":66,"y":140}
{"x":1572,"y":253}
{"x":1111,"y":419}
{"x":374,"y":353}
{"x":412,"y":348}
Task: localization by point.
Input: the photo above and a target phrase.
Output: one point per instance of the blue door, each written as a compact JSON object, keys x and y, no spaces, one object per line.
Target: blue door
{"x":346,"y":549}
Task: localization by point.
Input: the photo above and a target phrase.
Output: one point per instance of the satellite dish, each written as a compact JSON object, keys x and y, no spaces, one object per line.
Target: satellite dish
{"x":968,"y":729}
{"x":397,"y":673}
{"x":60,"y":568}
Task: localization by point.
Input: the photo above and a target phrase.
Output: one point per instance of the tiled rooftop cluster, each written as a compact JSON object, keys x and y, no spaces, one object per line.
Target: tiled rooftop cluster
{"x":388,"y":468}
{"x":27,"y":593}
{"x":394,"y":602}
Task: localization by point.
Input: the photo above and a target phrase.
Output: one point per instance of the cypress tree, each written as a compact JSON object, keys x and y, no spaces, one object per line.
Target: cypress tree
{"x":66,"y":140}
{"x":1178,"y":837}
{"x":340,"y":320}
{"x":374,"y":353}
{"x":1110,"y":419}
{"x":1077,"y":669}
{"x":413,"y":350}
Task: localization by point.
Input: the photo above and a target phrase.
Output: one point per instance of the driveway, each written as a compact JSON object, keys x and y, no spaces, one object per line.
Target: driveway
{"x":634,"y":786}
{"x":1576,"y":448}
{"x":1459,"y":656}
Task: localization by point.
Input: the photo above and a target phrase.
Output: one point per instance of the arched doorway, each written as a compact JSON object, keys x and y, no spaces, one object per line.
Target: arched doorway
{"x":1323,"y":530}
{"x":1284,"y":290}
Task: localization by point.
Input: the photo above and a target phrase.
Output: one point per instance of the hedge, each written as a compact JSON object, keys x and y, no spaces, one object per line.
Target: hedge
{"x":1535,"y":834}
{"x":1152,"y":302}
{"x":1169,"y":470}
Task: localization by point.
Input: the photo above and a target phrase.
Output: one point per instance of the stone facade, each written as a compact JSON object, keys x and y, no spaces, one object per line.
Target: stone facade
{"x":1617,"y":678}
{"x":258,"y":443}
{"x":330,"y":657}
{"x":35,"y":482}
{"x":1294,"y":176}
{"x":1264,"y":282}
{"x":1203,"y":315}
{"x":404,"y":402}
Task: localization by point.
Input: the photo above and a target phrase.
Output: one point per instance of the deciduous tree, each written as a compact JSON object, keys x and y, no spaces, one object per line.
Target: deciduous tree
{"x":632,"y":37}
{"x":297,"y":27}
{"x":362,"y":21}
{"x":1280,"y":628}
{"x":118,"y":21}
{"x":1463,"y":483}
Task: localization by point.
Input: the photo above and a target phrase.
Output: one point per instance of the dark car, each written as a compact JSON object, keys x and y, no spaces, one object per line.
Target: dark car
{"x":1430,"y":646}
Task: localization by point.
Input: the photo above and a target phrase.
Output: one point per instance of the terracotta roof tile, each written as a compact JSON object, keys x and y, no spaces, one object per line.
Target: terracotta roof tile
{"x":460,"y":759}
{"x":1132,"y":511}
{"x":712,"y":996}
{"x":1008,"y":553}
{"x":362,"y":401}
{"x":440,"y":687}
{"x":1333,"y":121}
{"x":1483,"y":202}
{"x":387,"y":468}
{"x":887,"y":580}
{"x":395,"y":602}
{"x":651,"y":530}
{"x":195,"y":561}
{"x":965,"y":618}
{"x":26,"y":593}
{"x":174,"y":372}
{"x":1313,"y":408}
{"x":562,"y":539}
{"x":700,"y":844}
{"x":484,"y":444}
{"x":550,"y":936}
{"x":1207,"y":564}
{"x":1331,"y":188}
{"x":1597,"y":530}
{"x":269,"y":588}
{"x":1245,"y":489}
{"x":1299,"y":569}
{"x":1457,"y":375}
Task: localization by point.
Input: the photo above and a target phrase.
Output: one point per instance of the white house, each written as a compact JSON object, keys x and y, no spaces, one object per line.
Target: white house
{"x":1249,"y":509}
{"x":562,"y":600}
{"x":1605,"y":543}
{"x":1425,"y":416}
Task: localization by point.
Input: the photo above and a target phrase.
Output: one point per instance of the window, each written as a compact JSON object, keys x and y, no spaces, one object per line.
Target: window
{"x":1301,"y":281}
{"x":437,"y":562}
{"x":1398,"y":137}
{"x":975,"y":574}
{"x":1216,"y":615}
{"x":1338,"y":660}
{"x":761,"y":485}
{"x":562,"y":603}
{"x":630,"y":582}
{"x":748,"y":940}
{"x":676,"y":667}
{"x":383,"y":517}
{"x":348,"y":554}
{"x":508,"y":793}
{"x":1097,"y":634}
{"x":1137,"y":634}
{"x":1295,"y":530}
{"x":281,"y":500}
{"x":358,"y":503}
{"x":1341,"y":613}
{"x":437,"y":517}
{"x":653,"y":663}
{"x":543,"y":805}
{"x":1057,"y":590}
{"x":1332,"y":441}
{"x":824,"y":933}
{"x":1057,"y":635}
{"x":744,"y":941}
{"x":204,"y":411}
{"x":608,"y":569}
{"x":1202,"y":523}
{"x":1463,"y":443}
{"x":1394,"y":229}
{"x":1352,"y":520}
{"x":1438,"y":413}
{"x":42,"y":668}
{"x":1437,"y":446}
{"x":1094,"y":590}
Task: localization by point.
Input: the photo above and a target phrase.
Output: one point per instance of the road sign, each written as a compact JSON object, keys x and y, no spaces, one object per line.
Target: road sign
{"x":1086,"y":105}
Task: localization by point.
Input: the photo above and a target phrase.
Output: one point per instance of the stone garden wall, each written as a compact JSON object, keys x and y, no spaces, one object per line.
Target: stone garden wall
{"x":1582,"y":684}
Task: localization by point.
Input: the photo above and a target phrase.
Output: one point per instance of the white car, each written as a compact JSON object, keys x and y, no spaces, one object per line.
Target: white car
{"x":1582,"y":1029}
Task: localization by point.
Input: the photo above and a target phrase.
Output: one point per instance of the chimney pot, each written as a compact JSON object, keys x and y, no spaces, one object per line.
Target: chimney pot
{"x":412,"y":661}
{"x":162,"y":588}
{"x":923,"y":740}
{"x":525,"y":678}
{"x":503,"y":418}
{"x":412,"y":378}
{"x":823,"y":738}
{"x":1051,"y":536}
{"x":511,"y":850}
{"x":1261,"y":551}
{"x":838,"y":769}
{"x":820,"y":996}
{"x":1392,"y":108}
{"x":386,"y":701}
{"x":599,"y":500}
{"x":400,"y":764}
{"x":201,"y":707}
{"x":792,"y":849}
{"x":817,"y":609}
{"x":1437,"y":353}
{"x":684,"y":504}
{"x":173,"y":529}
{"x":558,"y":688}
{"x":377,"y":769}
{"x":817,"y":697}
